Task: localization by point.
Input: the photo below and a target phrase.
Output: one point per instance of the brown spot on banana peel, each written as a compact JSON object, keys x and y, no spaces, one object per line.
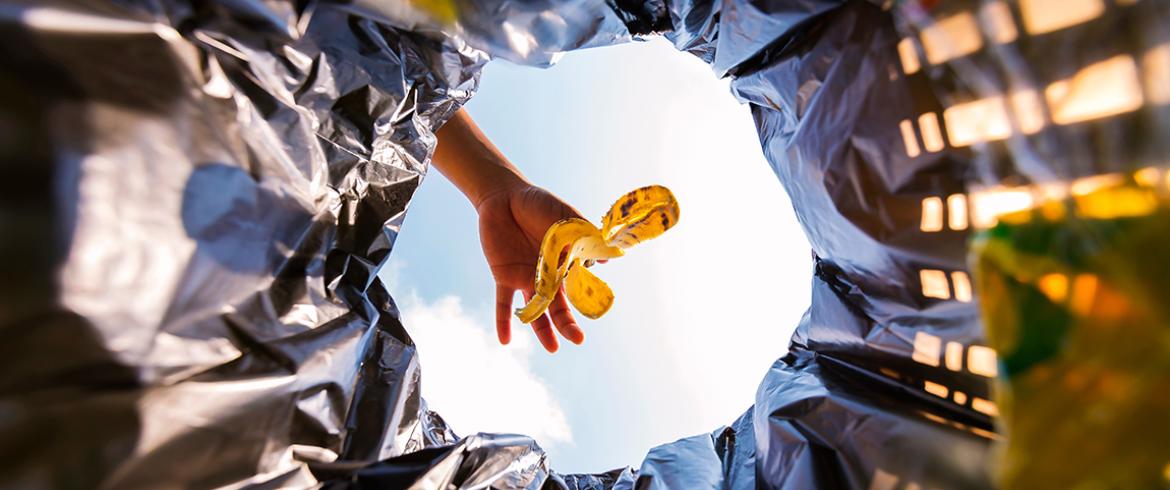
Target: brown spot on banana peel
{"x":591,"y":296}
{"x":627,"y":205}
{"x":653,"y":201}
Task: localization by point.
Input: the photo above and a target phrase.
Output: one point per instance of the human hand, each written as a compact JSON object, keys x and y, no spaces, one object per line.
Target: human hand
{"x":512,"y":223}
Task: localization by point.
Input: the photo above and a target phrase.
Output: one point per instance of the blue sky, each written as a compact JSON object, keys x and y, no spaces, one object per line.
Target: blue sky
{"x":700,"y":313}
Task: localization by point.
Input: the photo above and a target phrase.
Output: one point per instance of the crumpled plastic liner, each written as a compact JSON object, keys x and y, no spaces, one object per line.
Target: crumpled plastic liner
{"x":197,"y":198}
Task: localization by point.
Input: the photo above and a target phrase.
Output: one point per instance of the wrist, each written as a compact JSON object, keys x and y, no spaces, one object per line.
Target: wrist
{"x":472,"y":163}
{"x":503,"y":181}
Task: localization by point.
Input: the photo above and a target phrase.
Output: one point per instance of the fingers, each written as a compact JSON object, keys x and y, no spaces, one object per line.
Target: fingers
{"x":559,"y":312}
{"x":504,"y":313}
{"x":543,"y":329}
{"x":544,"y":332}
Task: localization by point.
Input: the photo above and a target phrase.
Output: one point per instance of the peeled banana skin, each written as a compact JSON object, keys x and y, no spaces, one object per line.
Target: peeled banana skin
{"x":442,"y":10}
{"x":589,"y":295}
{"x":570,"y":245}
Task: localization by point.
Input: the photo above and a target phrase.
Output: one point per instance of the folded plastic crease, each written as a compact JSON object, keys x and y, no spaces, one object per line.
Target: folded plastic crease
{"x":203,"y":193}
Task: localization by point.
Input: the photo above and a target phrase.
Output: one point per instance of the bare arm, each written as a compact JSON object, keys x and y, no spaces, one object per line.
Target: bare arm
{"x":470,"y":161}
{"x":513,"y":216}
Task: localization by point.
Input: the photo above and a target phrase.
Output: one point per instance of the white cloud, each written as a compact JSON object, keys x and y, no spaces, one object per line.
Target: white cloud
{"x":475,"y":384}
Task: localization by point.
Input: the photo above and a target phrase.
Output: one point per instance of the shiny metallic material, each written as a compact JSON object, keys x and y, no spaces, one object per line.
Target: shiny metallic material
{"x":198,"y":197}
{"x":875,"y":392}
{"x":197,"y":200}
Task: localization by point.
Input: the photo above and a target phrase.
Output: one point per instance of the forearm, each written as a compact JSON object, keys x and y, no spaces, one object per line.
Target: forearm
{"x":470,"y":161}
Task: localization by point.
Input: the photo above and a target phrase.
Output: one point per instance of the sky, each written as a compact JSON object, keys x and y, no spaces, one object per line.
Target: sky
{"x":700,"y":312}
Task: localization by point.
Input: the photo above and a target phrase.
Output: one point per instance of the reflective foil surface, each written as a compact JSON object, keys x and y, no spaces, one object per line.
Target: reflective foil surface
{"x":199,"y":196}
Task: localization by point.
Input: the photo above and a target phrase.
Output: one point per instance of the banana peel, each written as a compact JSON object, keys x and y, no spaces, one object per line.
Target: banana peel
{"x":571,"y":245}
{"x":444,"y":11}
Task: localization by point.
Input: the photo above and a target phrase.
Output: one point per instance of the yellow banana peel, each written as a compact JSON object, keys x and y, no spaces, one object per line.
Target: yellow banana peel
{"x":571,"y":245}
{"x":443,"y":10}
